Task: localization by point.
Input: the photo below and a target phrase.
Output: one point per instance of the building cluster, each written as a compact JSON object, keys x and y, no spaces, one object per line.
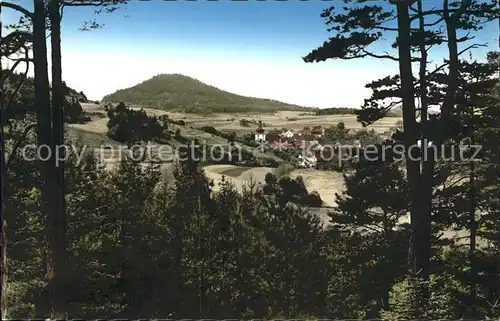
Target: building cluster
{"x":311,"y":144}
{"x":306,"y":140}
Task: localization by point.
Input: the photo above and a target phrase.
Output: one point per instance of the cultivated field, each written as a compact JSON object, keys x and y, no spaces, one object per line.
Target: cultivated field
{"x":325,"y":183}
{"x":231,"y":121}
{"x":238,"y":176}
{"x":284,"y":119}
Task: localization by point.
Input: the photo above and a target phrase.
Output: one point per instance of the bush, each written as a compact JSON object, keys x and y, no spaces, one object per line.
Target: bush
{"x":73,"y":112}
{"x":406,"y":300}
{"x":244,"y":123}
{"x":289,"y":155}
{"x":293,"y":187}
{"x":210,"y":130}
{"x":270,"y":162}
{"x":291,"y":190}
{"x":127,"y":125}
{"x":312,"y":199}
{"x":335,"y":111}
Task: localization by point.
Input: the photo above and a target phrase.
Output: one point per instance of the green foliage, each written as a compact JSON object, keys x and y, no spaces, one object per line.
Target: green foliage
{"x":210,"y":130}
{"x":244,"y":123}
{"x":183,"y":93}
{"x":338,"y":133}
{"x":128,"y":126}
{"x":139,"y":246}
{"x":230,"y":137}
{"x":367,"y":137}
{"x":73,"y":111}
{"x":19,"y":94}
{"x":286,"y":189}
{"x":406,"y":300}
{"x":335,"y":111}
{"x":289,"y":155}
{"x":375,"y":197}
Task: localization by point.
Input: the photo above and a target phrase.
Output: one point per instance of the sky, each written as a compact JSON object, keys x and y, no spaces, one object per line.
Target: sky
{"x":250,"y":48}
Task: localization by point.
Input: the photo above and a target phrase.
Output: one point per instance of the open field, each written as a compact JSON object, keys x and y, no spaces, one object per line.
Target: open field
{"x":285,"y":119}
{"x":247,"y":175}
{"x":98,"y":127}
{"x":231,"y":121}
{"x":325,"y":183}
{"x":98,"y":124}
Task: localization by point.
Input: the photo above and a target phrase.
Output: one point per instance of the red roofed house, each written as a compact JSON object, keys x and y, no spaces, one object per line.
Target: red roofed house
{"x":318,"y":131}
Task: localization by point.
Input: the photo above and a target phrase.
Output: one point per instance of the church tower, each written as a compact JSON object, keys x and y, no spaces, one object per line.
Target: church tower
{"x":260,"y":133}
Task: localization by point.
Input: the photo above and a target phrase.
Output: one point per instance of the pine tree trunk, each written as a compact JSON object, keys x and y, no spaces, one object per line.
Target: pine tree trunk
{"x":3,"y":172}
{"x":473,"y":233}
{"x":57,"y":232}
{"x":3,"y":246}
{"x":419,"y":213}
{"x":44,"y":128}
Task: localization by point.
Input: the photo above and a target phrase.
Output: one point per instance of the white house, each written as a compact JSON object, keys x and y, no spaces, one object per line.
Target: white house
{"x":260,"y":134}
{"x":307,"y":161}
{"x":260,"y":137}
{"x":287,"y":134}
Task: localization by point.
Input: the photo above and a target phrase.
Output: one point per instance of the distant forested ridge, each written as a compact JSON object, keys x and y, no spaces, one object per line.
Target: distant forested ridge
{"x":183,"y":93}
{"x":335,"y":111}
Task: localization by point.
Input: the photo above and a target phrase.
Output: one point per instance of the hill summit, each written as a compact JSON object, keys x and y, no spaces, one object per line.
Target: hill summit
{"x":183,"y":93}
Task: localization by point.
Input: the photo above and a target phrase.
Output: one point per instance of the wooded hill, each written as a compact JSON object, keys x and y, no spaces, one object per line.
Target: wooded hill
{"x":183,"y":93}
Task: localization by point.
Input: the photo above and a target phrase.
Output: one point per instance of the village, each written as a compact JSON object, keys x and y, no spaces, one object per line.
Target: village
{"x":312,"y":145}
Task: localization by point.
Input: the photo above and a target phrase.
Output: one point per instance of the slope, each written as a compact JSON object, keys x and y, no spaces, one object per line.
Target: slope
{"x":21,"y":90}
{"x":183,"y":93}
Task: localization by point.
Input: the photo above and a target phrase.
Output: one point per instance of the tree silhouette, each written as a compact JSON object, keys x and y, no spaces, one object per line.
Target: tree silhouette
{"x":357,"y":27}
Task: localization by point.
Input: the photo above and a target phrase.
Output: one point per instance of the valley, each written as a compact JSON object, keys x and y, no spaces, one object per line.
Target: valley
{"x":326,"y":183}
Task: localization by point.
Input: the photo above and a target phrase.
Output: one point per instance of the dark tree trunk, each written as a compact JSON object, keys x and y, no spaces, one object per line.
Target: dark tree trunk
{"x":57,"y":225}
{"x":473,"y":232}
{"x":419,"y":213}
{"x":44,"y":130}
{"x":3,"y":244}
{"x":3,"y":176}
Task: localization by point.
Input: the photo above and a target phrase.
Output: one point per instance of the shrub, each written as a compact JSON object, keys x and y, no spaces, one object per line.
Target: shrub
{"x":312,"y":199}
{"x":73,"y":112}
{"x":210,"y":130}
{"x":335,"y":111}
{"x":127,"y":125}
{"x":244,"y":123}
{"x":293,"y":187}
{"x":291,"y":190}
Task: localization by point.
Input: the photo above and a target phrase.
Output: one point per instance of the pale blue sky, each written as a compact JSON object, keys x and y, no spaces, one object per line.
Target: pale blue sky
{"x":250,"y":48}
